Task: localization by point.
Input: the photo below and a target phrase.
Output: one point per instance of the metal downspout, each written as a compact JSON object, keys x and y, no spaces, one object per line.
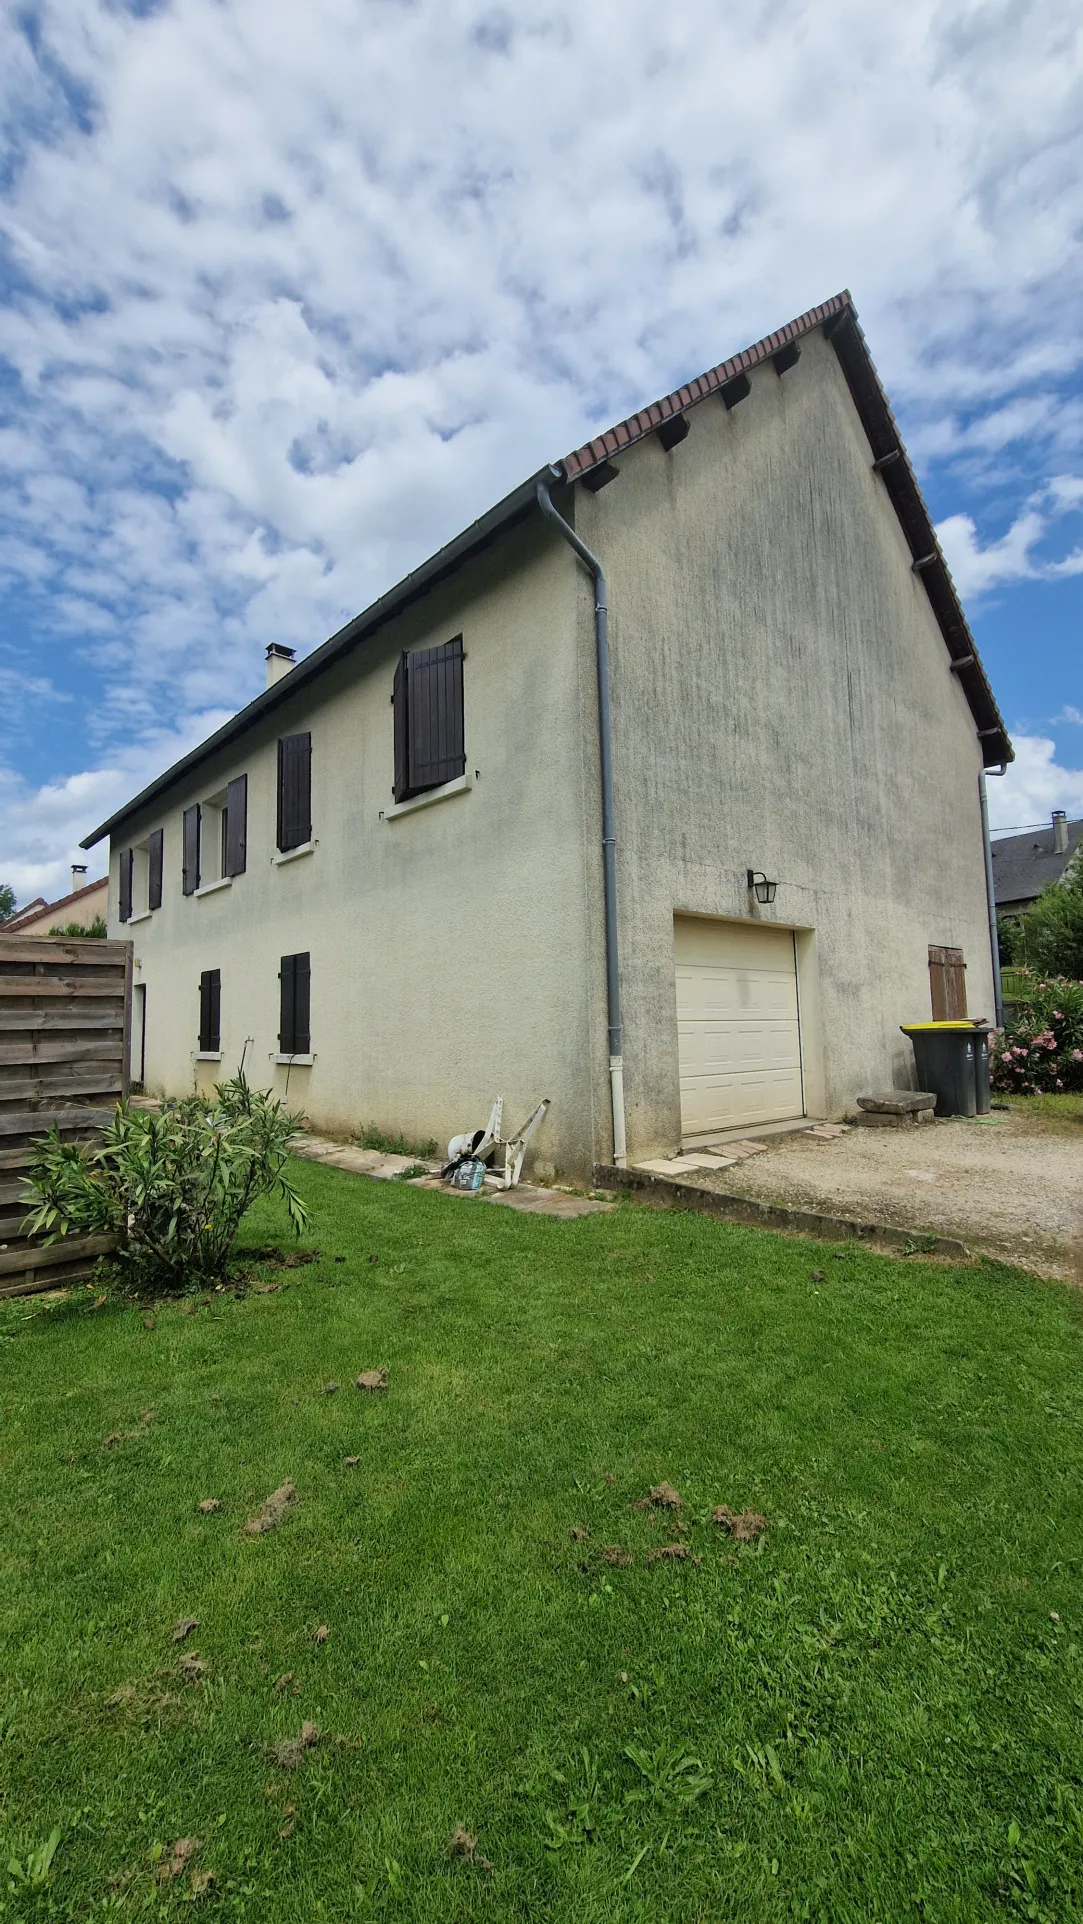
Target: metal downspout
{"x":990,"y":894}
{"x":609,"y":835}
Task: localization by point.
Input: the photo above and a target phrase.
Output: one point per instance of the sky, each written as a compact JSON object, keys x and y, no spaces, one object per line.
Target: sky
{"x":289,"y":294}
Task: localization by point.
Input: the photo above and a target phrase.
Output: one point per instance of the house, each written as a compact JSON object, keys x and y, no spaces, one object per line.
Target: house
{"x":654,"y":792}
{"x":1023,"y":865}
{"x":88,"y":902}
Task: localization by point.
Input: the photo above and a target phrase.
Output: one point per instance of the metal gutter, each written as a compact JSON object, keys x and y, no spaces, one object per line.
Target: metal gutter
{"x":609,"y":831}
{"x":480,"y":534}
{"x":990,"y":895}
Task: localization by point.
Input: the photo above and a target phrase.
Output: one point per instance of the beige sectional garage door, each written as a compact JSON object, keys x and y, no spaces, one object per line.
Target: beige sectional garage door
{"x":738,"y":1028}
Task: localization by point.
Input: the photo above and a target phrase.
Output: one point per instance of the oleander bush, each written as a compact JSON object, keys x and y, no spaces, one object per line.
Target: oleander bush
{"x":1041,"y":1048}
{"x":172,"y":1185}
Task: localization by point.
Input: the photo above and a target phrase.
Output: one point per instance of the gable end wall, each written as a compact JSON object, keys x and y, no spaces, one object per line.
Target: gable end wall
{"x":782,"y":701}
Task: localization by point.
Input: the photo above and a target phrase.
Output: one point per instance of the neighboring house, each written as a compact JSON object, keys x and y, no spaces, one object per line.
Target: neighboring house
{"x":84,"y":904}
{"x":1023,"y":865}
{"x":395,"y":879}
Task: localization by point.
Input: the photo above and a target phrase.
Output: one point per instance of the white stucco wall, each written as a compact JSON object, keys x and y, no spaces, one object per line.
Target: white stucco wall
{"x":782,"y":701}
{"x":448,"y":945}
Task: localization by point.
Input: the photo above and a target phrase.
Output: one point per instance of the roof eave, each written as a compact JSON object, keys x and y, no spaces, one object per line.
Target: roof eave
{"x":514,"y":507}
{"x":838,"y":319}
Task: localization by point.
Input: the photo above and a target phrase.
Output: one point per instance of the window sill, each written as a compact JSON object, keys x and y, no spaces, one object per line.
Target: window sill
{"x":143,"y":916}
{"x":292,"y":854}
{"x":458,"y":787}
{"x":212,"y":888}
{"x":296,"y":1062}
{"x":207,"y":1055}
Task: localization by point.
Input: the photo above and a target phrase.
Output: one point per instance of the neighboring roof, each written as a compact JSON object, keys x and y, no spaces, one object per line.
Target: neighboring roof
{"x":1023,"y":865}
{"x":838,"y":318}
{"x":37,"y":910}
{"x":31,"y":908}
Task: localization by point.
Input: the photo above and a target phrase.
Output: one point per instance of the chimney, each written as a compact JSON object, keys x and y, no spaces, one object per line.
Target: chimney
{"x":279,"y":661}
{"x":78,"y":875}
{"x":1060,"y":832}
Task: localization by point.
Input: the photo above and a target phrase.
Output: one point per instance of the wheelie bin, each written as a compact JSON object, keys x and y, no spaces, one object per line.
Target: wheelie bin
{"x":982,"y":1066}
{"x":946,"y":1057}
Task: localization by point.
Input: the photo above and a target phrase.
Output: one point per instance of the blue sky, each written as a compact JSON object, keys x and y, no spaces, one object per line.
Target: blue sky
{"x":288,"y":295}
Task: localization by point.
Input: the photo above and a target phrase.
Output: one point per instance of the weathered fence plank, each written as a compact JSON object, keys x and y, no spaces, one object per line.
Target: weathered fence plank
{"x":64,"y":1061}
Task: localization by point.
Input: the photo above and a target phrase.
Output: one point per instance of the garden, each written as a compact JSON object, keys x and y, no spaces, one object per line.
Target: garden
{"x":443,"y":1562}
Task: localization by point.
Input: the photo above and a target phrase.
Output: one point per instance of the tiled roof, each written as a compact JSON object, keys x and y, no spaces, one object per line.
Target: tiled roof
{"x":838,"y":319}
{"x":637,"y":426}
{"x":37,"y":910}
{"x":1023,"y":865}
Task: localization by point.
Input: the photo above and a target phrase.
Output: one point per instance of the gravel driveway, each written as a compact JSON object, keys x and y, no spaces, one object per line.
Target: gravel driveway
{"x":1010,"y":1186}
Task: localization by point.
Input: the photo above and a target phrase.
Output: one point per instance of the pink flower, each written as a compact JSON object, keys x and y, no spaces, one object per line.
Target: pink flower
{"x":1060,"y":1084}
{"x":1077,"y":1055}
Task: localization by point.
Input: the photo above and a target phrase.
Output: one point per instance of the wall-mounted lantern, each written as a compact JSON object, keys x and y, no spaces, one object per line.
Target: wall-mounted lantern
{"x":765,"y":890}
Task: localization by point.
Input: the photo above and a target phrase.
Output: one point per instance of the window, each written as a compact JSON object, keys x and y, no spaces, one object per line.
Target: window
{"x":210,"y":1011}
{"x":294,"y":1035}
{"x":190,"y":850}
{"x":947,"y":982}
{"x":429,"y":724}
{"x":235,"y":827}
{"x":154,"y":869}
{"x":294,"y":791}
{"x":127,"y":869}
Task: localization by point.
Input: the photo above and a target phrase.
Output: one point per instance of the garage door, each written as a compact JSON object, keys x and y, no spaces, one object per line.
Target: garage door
{"x":738,"y":1028}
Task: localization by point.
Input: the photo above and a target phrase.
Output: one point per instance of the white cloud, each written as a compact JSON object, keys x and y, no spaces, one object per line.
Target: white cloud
{"x":1034,"y":785}
{"x":299,"y":291}
{"x":40,"y":829}
{"x":976,"y":568}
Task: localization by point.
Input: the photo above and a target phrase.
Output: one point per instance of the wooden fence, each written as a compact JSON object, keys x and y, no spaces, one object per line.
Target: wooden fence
{"x":65,"y":1021}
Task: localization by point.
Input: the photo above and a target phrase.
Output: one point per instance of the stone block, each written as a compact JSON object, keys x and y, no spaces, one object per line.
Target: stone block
{"x":897,"y":1102}
{"x":880,"y":1119}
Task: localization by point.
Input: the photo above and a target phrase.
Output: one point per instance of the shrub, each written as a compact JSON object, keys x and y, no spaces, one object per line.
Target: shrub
{"x":1048,"y":937}
{"x":1041,"y":1049}
{"x":173,"y":1185}
{"x":96,"y":928}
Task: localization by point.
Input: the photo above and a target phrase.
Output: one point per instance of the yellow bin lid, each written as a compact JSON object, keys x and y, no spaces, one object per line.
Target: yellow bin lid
{"x":908,"y":1028}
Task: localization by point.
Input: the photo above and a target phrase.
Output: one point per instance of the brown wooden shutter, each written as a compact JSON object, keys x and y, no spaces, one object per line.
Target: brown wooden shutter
{"x":302,"y":1033}
{"x":235,"y":856}
{"x":294,"y":1034}
{"x":435,"y":715}
{"x":947,"y":983}
{"x":285,"y":1005}
{"x":190,"y":850}
{"x":127,"y":866}
{"x":210,"y":1010}
{"x":294,"y":791}
{"x":402,"y":756}
{"x":154,"y":869}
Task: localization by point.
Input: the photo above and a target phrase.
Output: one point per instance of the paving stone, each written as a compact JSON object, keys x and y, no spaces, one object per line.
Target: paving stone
{"x":828,"y":1131}
{"x":548,"y":1202}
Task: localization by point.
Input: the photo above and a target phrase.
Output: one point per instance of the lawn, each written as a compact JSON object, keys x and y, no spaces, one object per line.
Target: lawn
{"x":870,"y":1712}
{"x":1051,"y":1106}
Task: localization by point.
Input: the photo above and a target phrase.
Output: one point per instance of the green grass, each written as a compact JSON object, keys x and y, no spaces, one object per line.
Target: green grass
{"x":1050,"y":1107}
{"x":873,"y":1714}
{"x":370,"y":1137}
